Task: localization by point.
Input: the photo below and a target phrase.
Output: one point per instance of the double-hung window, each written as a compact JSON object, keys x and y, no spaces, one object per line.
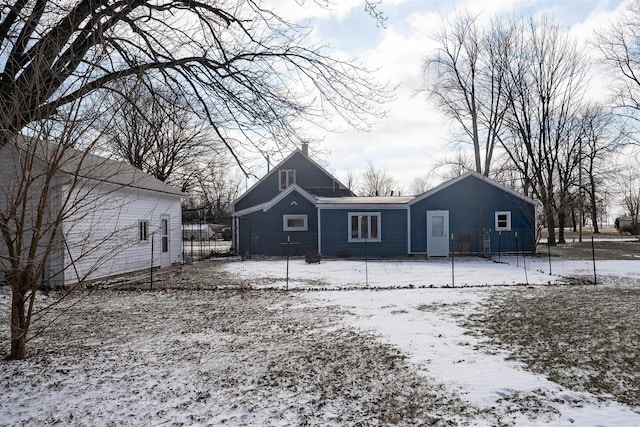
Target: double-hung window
{"x":503,"y":221}
{"x":287,"y":177}
{"x":364,"y":226}
{"x":294,"y":223}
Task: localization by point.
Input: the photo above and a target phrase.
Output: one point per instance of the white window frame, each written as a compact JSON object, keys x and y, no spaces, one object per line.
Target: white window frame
{"x":289,"y":178}
{"x":508,"y":226}
{"x":368,"y":237}
{"x":285,"y":223}
{"x":143,"y":230}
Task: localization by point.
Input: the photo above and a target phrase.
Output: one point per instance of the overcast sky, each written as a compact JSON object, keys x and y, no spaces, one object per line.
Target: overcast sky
{"x":413,"y":135}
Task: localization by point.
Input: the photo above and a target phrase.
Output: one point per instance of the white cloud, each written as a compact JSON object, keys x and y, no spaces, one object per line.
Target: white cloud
{"x":407,"y":140}
{"x":414,"y":134}
{"x":301,"y":10}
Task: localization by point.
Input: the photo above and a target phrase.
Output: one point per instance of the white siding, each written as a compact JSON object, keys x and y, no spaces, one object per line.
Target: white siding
{"x":100,"y":228}
{"x":11,"y":189}
{"x":102,"y":234}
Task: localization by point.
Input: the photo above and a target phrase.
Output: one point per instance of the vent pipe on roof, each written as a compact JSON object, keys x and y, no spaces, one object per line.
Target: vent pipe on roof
{"x":305,"y":148}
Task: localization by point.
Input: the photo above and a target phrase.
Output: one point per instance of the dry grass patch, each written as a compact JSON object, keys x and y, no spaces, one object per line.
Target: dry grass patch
{"x":583,"y":337}
{"x":237,"y":356}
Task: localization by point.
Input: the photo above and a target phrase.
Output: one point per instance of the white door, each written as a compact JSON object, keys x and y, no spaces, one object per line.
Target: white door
{"x":165,"y":254}
{"x":438,"y":233}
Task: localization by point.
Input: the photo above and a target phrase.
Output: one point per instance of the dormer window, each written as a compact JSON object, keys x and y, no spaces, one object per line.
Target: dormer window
{"x":287,"y":177}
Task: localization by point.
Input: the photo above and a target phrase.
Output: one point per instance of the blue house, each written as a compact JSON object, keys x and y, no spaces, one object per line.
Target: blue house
{"x":298,"y":208}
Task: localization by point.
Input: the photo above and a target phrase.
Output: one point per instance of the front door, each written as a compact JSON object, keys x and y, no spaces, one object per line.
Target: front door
{"x":165,"y":253}
{"x":437,"y":233}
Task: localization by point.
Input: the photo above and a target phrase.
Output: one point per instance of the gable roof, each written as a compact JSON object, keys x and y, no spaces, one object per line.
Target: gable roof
{"x":271,"y":203}
{"x":475,"y":175}
{"x":90,"y":166}
{"x":276,"y":168}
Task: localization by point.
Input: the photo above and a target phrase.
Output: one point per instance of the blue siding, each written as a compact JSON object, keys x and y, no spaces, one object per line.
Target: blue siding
{"x":335,"y":233}
{"x":308,"y":175}
{"x":261,"y":233}
{"x":472,"y":204}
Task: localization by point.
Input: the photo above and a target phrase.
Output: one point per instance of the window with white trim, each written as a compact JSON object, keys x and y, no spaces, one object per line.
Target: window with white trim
{"x":503,"y":221}
{"x":364,"y":226}
{"x":143,"y":230}
{"x":287,"y":177}
{"x":294,"y":223}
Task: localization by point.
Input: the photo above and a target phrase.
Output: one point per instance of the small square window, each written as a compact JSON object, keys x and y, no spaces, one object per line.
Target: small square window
{"x":503,"y":221}
{"x":294,"y":223}
{"x":143,"y":230}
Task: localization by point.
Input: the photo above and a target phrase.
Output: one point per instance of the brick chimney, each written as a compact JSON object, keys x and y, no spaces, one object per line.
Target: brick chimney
{"x":305,"y":148}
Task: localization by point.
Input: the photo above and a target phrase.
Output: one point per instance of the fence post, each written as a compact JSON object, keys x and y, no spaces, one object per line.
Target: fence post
{"x":517,"y":251}
{"x":366,"y":263}
{"x":524,"y":264}
{"x":453,"y":277}
{"x":151,"y":271}
{"x":288,"y":246}
{"x":549,"y":254}
{"x":593,"y":257}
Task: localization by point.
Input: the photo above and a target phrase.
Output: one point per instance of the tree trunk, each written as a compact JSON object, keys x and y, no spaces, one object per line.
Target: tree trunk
{"x":551,"y":226}
{"x":594,"y":218}
{"x":18,"y":320}
{"x":561,"y":224}
{"x":594,"y":207}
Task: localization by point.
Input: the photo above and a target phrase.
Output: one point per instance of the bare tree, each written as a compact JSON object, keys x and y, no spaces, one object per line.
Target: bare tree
{"x":629,"y":183}
{"x":600,"y":137}
{"x":154,"y":130}
{"x":377,"y":182}
{"x":619,"y":45}
{"x":546,"y":83}
{"x":467,"y":79}
{"x":58,"y":207}
{"x":250,"y":74}
{"x":419,"y":185}
{"x":353,"y":180}
{"x":217,"y":186}
{"x":567,"y":173}
{"x":454,"y":165}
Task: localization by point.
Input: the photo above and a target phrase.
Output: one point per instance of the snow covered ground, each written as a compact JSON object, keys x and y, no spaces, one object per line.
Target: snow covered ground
{"x":434,"y":272}
{"x":423,"y":323}
{"x":386,"y":342}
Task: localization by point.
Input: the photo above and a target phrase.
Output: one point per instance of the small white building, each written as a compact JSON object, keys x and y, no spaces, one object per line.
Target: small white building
{"x":113,"y":218}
